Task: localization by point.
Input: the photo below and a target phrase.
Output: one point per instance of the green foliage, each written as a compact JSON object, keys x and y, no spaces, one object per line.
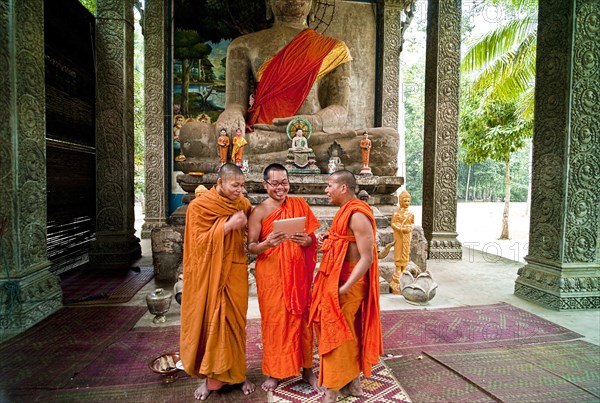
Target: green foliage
{"x":90,"y":5}
{"x":189,"y":45}
{"x":491,"y":132}
{"x":220,"y":19}
{"x":503,"y":60}
{"x":414,"y":109}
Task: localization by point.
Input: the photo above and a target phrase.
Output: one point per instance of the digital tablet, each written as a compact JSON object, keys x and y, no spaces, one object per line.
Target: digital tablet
{"x":289,"y":226}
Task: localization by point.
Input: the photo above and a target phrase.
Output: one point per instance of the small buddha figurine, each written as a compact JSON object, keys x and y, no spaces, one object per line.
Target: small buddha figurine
{"x":365,"y":151}
{"x":223,"y":142}
{"x":403,"y":221}
{"x":239,"y":142}
{"x":299,"y":142}
{"x":177,"y":151}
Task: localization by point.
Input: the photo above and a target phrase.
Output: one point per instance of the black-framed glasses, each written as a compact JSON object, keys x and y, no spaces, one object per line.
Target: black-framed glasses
{"x":277,"y":184}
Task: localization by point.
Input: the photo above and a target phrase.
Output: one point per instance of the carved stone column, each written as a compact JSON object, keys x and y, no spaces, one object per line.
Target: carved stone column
{"x":389,"y":66}
{"x":28,"y":291}
{"x":563,"y":265}
{"x":116,"y":245}
{"x":440,"y":165}
{"x":155,"y":69}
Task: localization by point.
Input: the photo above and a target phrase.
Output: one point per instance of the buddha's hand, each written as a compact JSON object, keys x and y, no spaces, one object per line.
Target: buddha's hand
{"x":230,"y":120}
{"x":280,"y":124}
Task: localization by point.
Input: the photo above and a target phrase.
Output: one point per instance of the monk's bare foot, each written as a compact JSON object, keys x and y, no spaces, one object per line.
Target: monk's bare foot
{"x":248,"y":387}
{"x":310,"y":378}
{"x":202,"y":392}
{"x":270,"y":384}
{"x":353,"y":388}
{"x":330,"y":396}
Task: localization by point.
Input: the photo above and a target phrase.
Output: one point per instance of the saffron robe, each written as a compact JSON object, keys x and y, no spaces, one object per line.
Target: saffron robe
{"x":215,"y":291}
{"x":362,"y":331}
{"x":283,"y":279}
{"x":285,"y":80}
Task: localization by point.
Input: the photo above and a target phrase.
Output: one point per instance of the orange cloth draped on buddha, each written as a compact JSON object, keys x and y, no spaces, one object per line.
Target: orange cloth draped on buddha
{"x":215,"y":291}
{"x":348,"y":326}
{"x":284,"y":278}
{"x":285,"y":80}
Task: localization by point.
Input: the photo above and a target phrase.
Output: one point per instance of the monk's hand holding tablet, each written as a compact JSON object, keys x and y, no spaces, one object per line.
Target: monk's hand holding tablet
{"x":275,"y":238}
{"x":301,"y":238}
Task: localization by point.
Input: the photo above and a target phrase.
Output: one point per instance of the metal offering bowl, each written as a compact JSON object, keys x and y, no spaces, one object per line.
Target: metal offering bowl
{"x":169,"y":375}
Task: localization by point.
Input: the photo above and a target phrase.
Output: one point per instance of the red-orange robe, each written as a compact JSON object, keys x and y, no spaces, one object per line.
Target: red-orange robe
{"x":348,"y":326}
{"x":284,"y":278}
{"x":215,"y":291}
{"x":289,"y":76}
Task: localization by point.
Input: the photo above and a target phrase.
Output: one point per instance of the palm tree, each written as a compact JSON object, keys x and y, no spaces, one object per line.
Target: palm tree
{"x":502,"y":63}
{"x":503,"y":60}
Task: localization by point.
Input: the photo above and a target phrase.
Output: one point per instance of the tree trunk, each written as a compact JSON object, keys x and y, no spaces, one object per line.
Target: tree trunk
{"x":185,"y":84}
{"x":467,"y":187}
{"x":507,"y":183}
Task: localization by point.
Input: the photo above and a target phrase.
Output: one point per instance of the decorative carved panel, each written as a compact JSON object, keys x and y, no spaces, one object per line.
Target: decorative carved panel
{"x":155,"y":163}
{"x":440,"y":170}
{"x":565,"y":209}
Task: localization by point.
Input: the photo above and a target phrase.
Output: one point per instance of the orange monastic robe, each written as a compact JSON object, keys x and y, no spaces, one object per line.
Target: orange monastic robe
{"x":286,"y":79}
{"x":215,"y":291}
{"x":283,"y":278}
{"x":348,"y":326}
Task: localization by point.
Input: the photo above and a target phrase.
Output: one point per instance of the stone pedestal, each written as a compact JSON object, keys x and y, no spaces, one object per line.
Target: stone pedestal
{"x":167,"y":242}
{"x":167,"y":251}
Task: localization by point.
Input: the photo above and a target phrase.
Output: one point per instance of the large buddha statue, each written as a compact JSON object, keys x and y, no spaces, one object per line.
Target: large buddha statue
{"x":289,"y":71}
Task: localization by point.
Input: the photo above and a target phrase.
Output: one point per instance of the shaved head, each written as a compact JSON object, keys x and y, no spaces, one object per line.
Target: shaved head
{"x":228,"y":170}
{"x":345,"y":177}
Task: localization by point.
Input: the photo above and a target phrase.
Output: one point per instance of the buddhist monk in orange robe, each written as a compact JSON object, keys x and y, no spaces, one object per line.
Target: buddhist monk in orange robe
{"x":345,"y":300}
{"x":215,"y":286}
{"x":284,"y":272}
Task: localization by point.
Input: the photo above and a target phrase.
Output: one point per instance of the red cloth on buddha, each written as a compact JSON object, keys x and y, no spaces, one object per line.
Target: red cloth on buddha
{"x":289,"y":77}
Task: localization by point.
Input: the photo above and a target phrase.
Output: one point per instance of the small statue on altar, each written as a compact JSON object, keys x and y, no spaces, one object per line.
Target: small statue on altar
{"x":299,"y":142}
{"x":403,"y":221}
{"x":365,"y":150}
{"x":301,"y":158}
{"x":223,"y":142}
{"x":239,"y":142}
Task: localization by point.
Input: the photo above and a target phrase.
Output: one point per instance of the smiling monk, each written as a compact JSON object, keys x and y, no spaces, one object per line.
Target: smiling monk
{"x":284,"y":272}
{"x":215,"y":289}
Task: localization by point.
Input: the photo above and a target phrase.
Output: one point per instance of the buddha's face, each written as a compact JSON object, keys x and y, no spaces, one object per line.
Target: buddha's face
{"x":404,"y":200}
{"x":291,"y":8}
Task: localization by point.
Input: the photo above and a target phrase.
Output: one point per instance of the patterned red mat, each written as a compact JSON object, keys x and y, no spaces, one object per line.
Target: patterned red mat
{"x":121,"y":371}
{"x":50,"y":353}
{"x":92,"y":287}
{"x":480,"y":326}
{"x":549,"y":372}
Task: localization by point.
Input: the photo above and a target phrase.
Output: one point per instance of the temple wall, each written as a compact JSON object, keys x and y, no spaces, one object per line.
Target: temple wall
{"x":356,"y":24}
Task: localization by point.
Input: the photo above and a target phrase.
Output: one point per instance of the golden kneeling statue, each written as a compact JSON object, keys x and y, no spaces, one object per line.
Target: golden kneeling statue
{"x":403,"y":221}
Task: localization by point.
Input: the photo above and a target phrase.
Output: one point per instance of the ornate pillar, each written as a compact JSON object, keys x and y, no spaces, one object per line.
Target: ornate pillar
{"x":390,"y":33}
{"x":155,"y":69}
{"x":440,"y":165}
{"x":28,"y":291}
{"x":563,"y":265}
{"x":116,"y":245}
{"x":394,"y":18}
